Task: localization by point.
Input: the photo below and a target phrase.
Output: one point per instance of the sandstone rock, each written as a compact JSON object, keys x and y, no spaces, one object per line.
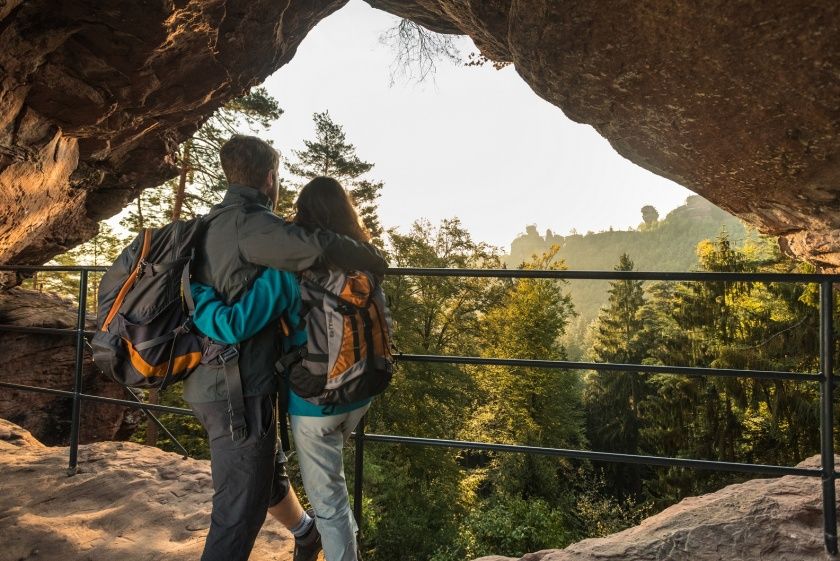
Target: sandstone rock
{"x":95,"y":97}
{"x":760,"y":520}
{"x":129,"y":503}
{"x":49,"y":361}
{"x":13,"y":435}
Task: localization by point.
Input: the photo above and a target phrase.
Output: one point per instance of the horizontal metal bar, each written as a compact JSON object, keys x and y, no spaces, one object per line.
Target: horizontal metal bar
{"x":537,"y":274}
{"x":571,"y":365}
{"x":41,"y":330}
{"x":100,"y":399}
{"x":491,"y":447}
{"x":595,"y":456}
{"x":53,"y":268}
{"x":531,"y":363}
{"x":36,"y":389}
{"x":615,"y":275}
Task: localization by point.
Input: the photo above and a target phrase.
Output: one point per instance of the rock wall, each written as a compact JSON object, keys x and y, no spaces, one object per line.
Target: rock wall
{"x":95,"y":96}
{"x":49,"y":361}
{"x":738,"y":101}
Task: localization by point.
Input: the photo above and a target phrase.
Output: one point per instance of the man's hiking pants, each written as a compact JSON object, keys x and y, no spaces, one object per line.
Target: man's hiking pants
{"x":318,"y":445}
{"x":244,"y":478}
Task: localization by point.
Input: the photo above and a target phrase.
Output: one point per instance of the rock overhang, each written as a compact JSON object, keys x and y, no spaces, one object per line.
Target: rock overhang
{"x":739,"y":102}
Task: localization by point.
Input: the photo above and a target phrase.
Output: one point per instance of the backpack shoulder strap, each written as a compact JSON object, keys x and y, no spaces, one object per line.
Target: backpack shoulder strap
{"x":185,"y":273}
{"x":132,"y":277}
{"x":318,"y":287}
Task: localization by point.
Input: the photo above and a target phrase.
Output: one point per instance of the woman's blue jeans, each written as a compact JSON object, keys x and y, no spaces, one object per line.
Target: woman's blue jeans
{"x":318,"y":444}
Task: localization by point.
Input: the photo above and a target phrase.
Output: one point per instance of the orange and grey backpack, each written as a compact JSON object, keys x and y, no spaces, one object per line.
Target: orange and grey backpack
{"x":347,"y":357}
{"x":144,"y":336}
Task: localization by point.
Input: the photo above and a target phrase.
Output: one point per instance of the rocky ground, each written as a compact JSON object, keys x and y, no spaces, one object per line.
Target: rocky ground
{"x":127,"y":503}
{"x":776,"y":519}
{"x":135,"y":503}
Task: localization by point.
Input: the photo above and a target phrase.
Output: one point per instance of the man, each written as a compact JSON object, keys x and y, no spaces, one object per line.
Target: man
{"x":234,"y":401}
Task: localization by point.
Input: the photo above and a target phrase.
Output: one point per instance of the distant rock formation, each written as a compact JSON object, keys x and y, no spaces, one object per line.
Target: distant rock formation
{"x":737,"y":101}
{"x":667,"y":244}
{"x":651,"y":246}
{"x":127,"y":503}
{"x":531,"y":243}
{"x":760,"y":520}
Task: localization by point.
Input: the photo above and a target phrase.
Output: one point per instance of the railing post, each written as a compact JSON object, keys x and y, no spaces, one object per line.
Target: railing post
{"x":77,"y":383}
{"x":359,"y":477}
{"x":827,"y":415}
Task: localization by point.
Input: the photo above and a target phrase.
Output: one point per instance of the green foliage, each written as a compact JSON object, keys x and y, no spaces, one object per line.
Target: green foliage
{"x":613,"y":398}
{"x":600,"y":512}
{"x":448,"y":493}
{"x":512,"y":525}
{"x":530,"y":406}
{"x":657,"y":245}
{"x":761,"y":326}
{"x":419,"y":488}
{"x":330,"y":154}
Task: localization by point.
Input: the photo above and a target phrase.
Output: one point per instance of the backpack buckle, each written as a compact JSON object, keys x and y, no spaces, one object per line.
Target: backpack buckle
{"x":227,"y":355}
{"x":345,"y":309}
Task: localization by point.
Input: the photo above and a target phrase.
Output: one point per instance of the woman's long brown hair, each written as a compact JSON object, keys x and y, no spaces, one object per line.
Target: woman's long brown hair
{"x":323,"y":203}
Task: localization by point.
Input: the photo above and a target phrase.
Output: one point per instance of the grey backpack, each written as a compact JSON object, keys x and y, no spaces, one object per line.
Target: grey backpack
{"x":347,"y":357}
{"x":144,"y":336}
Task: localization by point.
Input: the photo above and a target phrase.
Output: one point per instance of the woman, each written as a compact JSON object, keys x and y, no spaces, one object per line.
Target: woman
{"x":319,"y":433}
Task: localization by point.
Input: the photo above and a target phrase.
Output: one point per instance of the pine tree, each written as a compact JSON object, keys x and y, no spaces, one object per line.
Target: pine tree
{"x":330,"y":154}
{"x":530,"y":406}
{"x":201,"y":181}
{"x":733,"y":325}
{"x":613,"y":398}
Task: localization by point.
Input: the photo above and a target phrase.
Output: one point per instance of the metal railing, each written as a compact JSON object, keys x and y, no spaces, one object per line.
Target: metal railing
{"x":825,"y":378}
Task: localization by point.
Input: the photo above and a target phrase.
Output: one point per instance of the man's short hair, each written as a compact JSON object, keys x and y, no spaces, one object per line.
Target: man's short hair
{"x":247,"y":160}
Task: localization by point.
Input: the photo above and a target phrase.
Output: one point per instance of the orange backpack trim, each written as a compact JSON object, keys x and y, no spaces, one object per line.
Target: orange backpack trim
{"x":356,"y":291}
{"x":179,"y":363}
{"x":129,"y":282}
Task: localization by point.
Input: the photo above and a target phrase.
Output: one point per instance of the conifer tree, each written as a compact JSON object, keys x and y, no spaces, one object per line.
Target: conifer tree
{"x":530,"y":406}
{"x":331,"y":154}
{"x":201,"y":181}
{"x":613,"y":398}
{"x":432,"y":315}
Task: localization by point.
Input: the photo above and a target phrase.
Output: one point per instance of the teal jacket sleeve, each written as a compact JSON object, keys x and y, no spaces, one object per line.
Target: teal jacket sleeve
{"x":273,"y":293}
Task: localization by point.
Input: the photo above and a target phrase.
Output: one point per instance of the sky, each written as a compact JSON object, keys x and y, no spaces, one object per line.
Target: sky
{"x":476,"y":143}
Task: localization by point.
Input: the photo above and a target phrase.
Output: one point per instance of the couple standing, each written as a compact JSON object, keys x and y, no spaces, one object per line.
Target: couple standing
{"x":243,"y":285}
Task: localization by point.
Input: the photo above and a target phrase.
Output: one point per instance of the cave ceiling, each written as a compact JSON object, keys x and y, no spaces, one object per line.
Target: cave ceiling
{"x":737,"y":101}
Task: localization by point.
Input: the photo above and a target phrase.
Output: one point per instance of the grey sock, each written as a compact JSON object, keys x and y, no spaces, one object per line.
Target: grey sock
{"x":303,"y":525}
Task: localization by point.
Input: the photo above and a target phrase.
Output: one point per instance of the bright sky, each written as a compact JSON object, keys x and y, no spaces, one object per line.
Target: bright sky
{"x":475,"y":143}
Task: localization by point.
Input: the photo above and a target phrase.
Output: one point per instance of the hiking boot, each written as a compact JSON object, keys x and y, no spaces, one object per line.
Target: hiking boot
{"x":308,"y":546}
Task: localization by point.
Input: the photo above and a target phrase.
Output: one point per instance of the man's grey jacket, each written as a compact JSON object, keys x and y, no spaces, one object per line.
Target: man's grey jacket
{"x":238,"y":244}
